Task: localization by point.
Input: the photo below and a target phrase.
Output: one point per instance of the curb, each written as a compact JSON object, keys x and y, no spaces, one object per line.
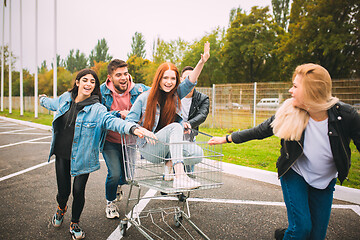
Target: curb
{"x":347,"y":194}
{"x":29,"y":124}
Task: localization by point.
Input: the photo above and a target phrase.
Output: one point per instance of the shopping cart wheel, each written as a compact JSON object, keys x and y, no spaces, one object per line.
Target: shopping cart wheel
{"x":178,"y":219}
{"x":181,"y":197}
{"x":123,"y":227}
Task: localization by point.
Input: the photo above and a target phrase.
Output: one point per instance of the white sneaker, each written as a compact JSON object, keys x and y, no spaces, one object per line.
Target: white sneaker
{"x":185,"y":182}
{"x":119,"y":194}
{"x":111,"y":211}
{"x":168,"y":173}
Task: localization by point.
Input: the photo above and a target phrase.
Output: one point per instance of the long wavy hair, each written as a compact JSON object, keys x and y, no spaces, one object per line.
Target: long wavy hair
{"x":172,"y":100}
{"x":290,"y":121}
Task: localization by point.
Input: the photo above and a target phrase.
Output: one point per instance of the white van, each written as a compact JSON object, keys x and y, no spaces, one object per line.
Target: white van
{"x":268,"y":103}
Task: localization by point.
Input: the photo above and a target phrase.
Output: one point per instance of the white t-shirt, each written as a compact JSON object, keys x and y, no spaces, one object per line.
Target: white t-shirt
{"x":316,"y":165}
{"x":185,"y":107}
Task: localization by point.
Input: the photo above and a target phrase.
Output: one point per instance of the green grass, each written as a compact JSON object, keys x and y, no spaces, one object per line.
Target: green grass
{"x":45,"y":119}
{"x":260,"y":154}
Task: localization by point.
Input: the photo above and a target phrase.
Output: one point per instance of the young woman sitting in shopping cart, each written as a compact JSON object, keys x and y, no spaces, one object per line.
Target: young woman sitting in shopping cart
{"x":158,"y":111}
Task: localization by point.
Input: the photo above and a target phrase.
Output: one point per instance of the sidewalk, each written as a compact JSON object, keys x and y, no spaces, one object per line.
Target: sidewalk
{"x":351,"y":195}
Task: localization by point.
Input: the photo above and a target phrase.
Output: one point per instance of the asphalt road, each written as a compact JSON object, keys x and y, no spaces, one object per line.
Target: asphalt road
{"x":241,"y":209}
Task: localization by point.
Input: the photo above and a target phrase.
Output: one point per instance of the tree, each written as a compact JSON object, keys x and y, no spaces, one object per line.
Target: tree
{"x":101,"y":70}
{"x":248,"y":54}
{"x":75,"y":62}
{"x":43,"y":67}
{"x":324,"y":32}
{"x":136,"y":66}
{"x":15,"y":74}
{"x":281,"y":12}
{"x":100,"y":52}
{"x":172,"y":51}
{"x":138,"y":46}
{"x":59,"y":62}
{"x":64,"y":81}
{"x":233,"y":13}
{"x":212,"y":71}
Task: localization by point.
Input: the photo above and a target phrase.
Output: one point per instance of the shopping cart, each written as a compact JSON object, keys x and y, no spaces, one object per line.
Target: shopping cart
{"x":145,"y":169}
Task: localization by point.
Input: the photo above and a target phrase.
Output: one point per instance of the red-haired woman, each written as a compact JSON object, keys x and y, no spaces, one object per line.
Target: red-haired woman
{"x":159,"y":111}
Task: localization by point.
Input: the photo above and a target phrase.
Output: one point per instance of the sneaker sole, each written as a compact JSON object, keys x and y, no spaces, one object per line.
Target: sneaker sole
{"x":109,"y":216}
{"x":75,"y":238}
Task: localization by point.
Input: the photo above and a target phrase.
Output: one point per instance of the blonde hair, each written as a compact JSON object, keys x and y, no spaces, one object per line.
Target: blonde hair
{"x":291,"y":121}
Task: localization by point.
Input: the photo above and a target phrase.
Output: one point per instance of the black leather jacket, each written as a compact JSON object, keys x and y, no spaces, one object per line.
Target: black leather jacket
{"x":343,"y":125}
{"x":199,"y":109}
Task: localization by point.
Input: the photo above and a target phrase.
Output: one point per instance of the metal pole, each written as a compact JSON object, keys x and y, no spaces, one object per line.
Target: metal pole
{"x":213,"y":105}
{"x":36,"y":60}
{"x":254,"y":114}
{"x":10,"y":60}
{"x":3,"y":61}
{"x":55,"y":59}
{"x":21,"y":67}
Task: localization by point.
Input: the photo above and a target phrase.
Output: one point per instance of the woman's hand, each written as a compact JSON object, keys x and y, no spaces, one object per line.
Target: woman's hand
{"x":187,"y":128}
{"x":205,"y":56}
{"x":143,"y":132}
{"x":217,"y":140}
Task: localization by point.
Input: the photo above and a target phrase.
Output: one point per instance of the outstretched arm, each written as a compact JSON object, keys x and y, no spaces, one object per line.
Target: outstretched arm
{"x":193,"y":77}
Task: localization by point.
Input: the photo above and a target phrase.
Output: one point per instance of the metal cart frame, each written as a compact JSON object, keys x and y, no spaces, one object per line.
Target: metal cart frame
{"x":141,"y":173}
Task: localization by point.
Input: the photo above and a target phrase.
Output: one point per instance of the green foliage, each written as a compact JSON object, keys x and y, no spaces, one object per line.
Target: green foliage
{"x":138,"y":46}
{"x":76,"y":62}
{"x":249,"y":48}
{"x":136,"y":67}
{"x":101,"y":70}
{"x":281,"y":12}
{"x":323,"y":32}
{"x":169,"y":51}
{"x":100,"y":53}
{"x":64,"y":81}
{"x":212,"y":71}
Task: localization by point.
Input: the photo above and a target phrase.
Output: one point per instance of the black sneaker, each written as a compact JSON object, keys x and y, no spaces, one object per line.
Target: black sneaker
{"x":279,"y":233}
{"x":58,"y":217}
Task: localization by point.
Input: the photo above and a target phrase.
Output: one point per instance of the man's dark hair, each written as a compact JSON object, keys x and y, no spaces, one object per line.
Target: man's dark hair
{"x":187,"y":68}
{"x":115,"y":64}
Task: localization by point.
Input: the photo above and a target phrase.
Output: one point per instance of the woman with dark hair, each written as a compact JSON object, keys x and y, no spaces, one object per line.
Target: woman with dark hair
{"x":79,"y":128}
{"x":159,"y":111}
{"x":315,"y":130}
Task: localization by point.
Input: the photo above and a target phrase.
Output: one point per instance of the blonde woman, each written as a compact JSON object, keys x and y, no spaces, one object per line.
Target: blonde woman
{"x":315,"y":130}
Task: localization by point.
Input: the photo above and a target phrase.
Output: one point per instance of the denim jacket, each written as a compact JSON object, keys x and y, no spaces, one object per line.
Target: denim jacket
{"x":107,"y":98}
{"x":139,"y":107}
{"x":91,"y":125}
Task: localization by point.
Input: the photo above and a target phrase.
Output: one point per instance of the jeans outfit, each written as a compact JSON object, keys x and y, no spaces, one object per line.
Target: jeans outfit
{"x":114,"y":156}
{"x":308,"y":208}
{"x":172,"y":135}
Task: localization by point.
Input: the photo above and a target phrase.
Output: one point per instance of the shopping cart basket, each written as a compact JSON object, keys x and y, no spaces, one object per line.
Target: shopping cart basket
{"x":145,"y":169}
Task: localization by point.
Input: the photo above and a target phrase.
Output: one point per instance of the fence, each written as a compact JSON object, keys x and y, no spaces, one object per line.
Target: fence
{"x":238,"y":105}
{"x":245,"y":105}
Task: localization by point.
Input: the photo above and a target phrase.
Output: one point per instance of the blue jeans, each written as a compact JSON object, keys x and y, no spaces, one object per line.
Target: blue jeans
{"x":171,"y":146}
{"x":113,"y":155}
{"x":308,"y":208}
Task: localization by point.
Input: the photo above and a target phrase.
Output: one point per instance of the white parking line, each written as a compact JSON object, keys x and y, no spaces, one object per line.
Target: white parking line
{"x":355,"y":208}
{"x":26,"y":170}
{"x":142,"y":204}
{"x":28,"y":141}
{"x":15,"y":131}
{"x":19,"y":133}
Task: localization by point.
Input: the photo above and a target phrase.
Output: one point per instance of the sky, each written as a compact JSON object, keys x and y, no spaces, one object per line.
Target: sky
{"x":81,"y":23}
